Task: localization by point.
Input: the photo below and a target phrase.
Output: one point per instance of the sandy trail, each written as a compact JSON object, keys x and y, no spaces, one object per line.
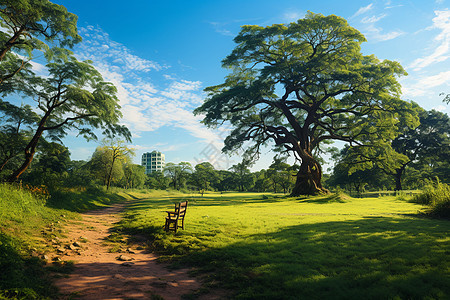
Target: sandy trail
{"x":99,"y":275}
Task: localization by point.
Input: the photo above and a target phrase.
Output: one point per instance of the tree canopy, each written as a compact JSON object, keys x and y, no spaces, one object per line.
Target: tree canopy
{"x":30,"y":25}
{"x":302,"y":85}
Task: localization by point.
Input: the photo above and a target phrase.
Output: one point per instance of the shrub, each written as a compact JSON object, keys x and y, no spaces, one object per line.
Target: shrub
{"x":437,"y":196}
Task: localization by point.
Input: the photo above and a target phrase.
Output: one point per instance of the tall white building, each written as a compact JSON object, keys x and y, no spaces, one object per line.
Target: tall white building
{"x":153,"y":161}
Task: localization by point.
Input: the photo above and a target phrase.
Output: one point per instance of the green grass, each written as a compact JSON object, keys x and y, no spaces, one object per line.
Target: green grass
{"x":329,"y":247}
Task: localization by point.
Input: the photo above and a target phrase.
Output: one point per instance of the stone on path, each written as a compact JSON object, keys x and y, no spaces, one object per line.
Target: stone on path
{"x":124,"y":258}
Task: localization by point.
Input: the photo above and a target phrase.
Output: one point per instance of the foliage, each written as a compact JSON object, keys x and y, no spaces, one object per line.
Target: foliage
{"x":114,"y":151}
{"x":204,"y":176}
{"x":281,"y":175}
{"x":157,"y":180}
{"x":260,"y":246}
{"x":178,"y":173}
{"x":243,"y":178}
{"x":133,"y":176}
{"x":437,"y":195}
{"x":29,"y":25}
{"x":427,"y":144}
{"x":304,"y":84}
{"x":50,"y":166}
{"x":16,"y":125}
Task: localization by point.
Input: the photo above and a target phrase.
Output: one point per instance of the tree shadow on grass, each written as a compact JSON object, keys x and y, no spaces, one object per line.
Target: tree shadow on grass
{"x":369,"y":258}
{"x":167,"y":202}
{"x":83,"y":201}
{"x":332,"y":198}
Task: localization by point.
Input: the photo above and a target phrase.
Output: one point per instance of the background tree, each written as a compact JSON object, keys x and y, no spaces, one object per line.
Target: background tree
{"x":425,"y":144}
{"x":117,"y":152}
{"x":73,"y":96}
{"x":304,"y":84}
{"x":346,"y":177}
{"x":100,"y":167}
{"x":204,"y":177}
{"x":79,"y":174}
{"x":133,"y":176}
{"x":262,"y":181}
{"x":51,"y":166}
{"x":281,"y":175}
{"x":157,"y":180}
{"x":178,"y":173}
{"x":243,"y":178}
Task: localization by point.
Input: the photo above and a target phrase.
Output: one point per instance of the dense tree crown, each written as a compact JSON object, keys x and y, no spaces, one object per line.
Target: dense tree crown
{"x":29,"y":25}
{"x":302,"y":85}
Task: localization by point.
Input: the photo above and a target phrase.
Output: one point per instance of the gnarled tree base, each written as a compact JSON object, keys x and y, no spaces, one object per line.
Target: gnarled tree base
{"x":308,"y":181}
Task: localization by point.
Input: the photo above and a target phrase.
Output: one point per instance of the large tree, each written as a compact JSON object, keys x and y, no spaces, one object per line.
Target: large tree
{"x":302,"y":85}
{"x":73,"y":97}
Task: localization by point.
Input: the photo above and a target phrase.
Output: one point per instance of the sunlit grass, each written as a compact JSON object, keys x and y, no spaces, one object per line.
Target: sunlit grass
{"x":302,"y":248}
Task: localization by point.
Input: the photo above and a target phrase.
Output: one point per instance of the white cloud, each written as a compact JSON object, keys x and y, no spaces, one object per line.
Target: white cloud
{"x":145,"y":105}
{"x":373,"y":19}
{"x":440,"y":108}
{"x":441,"y":50}
{"x":219,"y":28}
{"x":376,"y":34}
{"x":439,"y":1}
{"x":424,"y":85}
{"x":363,"y":10}
{"x":371,"y":31}
{"x":99,"y":45}
{"x":292,"y":16}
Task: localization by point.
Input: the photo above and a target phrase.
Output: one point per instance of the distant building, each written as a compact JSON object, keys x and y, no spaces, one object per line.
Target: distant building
{"x":153,"y":161}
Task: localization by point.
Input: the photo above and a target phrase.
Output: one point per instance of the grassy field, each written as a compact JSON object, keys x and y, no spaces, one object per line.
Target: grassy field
{"x":271,"y":247}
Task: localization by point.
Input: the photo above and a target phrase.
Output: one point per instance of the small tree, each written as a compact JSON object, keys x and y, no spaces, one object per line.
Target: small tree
{"x":117,"y":151}
{"x":133,"y":176}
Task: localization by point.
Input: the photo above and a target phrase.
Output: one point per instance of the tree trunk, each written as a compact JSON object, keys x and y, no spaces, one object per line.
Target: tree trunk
{"x":29,"y":154}
{"x":309,"y":179}
{"x":110,"y":173}
{"x":30,"y":149}
{"x":398,"y":178}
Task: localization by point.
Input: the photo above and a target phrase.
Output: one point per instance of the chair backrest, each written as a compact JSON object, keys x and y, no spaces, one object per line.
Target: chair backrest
{"x":182,"y":208}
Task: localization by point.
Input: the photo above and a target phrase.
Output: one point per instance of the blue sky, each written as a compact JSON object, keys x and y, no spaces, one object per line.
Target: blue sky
{"x":162,"y":54}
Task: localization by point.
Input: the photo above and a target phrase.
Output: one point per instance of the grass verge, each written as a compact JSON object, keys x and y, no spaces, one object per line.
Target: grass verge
{"x":29,"y":219}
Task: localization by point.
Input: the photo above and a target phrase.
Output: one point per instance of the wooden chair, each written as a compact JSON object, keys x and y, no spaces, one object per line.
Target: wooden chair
{"x":174,"y":217}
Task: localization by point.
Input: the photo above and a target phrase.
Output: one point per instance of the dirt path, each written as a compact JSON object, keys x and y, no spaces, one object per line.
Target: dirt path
{"x":100,"y":275}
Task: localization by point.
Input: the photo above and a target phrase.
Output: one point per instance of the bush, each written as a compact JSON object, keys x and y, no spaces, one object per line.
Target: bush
{"x":437,"y":196}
